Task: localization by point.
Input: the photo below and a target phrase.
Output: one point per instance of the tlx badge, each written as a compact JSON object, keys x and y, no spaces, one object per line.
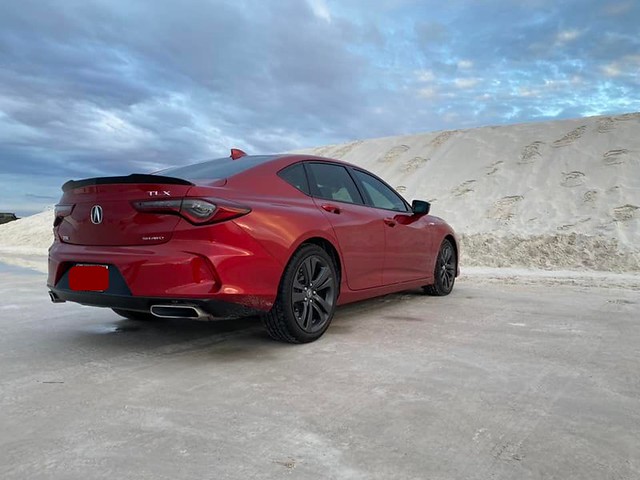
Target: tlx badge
{"x":159,"y":193}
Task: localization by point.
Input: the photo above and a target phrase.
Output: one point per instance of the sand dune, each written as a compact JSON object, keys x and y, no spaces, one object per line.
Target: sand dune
{"x":563,"y":194}
{"x":553,"y":195}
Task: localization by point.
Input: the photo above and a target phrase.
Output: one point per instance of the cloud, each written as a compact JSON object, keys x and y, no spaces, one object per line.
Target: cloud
{"x":108,"y":87}
{"x":427,"y":92}
{"x":567,"y":36}
{"x":320,"y":9}
{"x":425,"y":76}
{"x":466,"y":83}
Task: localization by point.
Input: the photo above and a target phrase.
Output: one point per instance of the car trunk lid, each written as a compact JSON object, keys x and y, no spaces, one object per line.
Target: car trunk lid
{"x":101,"y":212}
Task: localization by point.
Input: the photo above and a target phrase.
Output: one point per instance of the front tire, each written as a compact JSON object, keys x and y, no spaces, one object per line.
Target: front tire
{"x":306,"y":299}
{"x":444,"y":275}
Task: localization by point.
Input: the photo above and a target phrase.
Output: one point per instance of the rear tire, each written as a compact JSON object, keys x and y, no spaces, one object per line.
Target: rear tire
{"x":135,"y":315}
{"x":444,"y":275}
{"x":306,"y":299}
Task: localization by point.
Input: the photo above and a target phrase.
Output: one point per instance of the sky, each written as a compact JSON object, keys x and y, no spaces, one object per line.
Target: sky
{"x":111,"y":87}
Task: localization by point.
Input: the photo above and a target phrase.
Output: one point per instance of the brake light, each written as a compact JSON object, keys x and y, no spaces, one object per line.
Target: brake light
{"x":196,"y":210}
{"x":60,"y":211}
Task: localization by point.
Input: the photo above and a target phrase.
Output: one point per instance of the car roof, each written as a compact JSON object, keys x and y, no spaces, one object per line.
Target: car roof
{"x":227,"y":167}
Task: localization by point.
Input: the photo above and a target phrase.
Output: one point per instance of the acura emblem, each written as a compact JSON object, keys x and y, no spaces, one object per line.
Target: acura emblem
{"x":96,"y":214}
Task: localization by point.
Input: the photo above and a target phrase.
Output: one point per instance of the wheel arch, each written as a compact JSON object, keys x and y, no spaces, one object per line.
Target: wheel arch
{"x":330,"y":248}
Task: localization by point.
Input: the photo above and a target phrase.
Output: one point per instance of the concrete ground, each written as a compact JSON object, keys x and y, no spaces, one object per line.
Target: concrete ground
{"x":499,"y":380}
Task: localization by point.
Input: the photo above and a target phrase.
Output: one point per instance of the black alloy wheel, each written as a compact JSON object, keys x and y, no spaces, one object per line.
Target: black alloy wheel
{"x":313,"y":296}
{"x":445,"y":271}
{"x":306,"y":299}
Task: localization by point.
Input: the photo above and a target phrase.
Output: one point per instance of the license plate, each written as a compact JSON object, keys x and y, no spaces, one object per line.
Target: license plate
{"x":89,"y":278}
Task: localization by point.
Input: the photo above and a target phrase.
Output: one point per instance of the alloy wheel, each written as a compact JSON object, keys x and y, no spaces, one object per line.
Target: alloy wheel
{"x":313,"y":294}
{"x":447,"y":270}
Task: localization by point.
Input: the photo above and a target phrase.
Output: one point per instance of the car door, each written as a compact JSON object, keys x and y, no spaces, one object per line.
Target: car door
{"x":407,"y":239}
{"x":357,"y":227}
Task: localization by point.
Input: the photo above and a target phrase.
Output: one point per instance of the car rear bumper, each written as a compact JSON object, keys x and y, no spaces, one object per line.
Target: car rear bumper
{"x":216,"y":309}
{"x":233,"y":278}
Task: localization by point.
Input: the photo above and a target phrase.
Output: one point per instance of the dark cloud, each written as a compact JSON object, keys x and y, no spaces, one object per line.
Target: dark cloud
{"x":109,"y":87}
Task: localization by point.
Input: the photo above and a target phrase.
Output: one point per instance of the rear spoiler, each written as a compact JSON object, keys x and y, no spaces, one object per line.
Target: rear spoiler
{"x":133,"y":178}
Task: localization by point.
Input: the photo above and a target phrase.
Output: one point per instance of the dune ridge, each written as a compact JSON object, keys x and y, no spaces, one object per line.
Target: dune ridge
{"x":552,"y":195}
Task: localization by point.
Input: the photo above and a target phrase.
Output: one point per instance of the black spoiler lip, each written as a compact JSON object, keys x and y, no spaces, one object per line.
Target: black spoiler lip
{"x":133,"y":178}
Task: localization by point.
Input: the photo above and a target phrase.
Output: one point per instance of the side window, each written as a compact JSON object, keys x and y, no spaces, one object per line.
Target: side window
{"x":333,"y":182}
{"x":295,"y":176}
{"x":381,"y":195}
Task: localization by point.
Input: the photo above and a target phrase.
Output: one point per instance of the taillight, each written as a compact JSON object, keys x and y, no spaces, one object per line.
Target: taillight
{"x":158,"y":206}
{"x":60,"y":211}
{"x":196,"y":210}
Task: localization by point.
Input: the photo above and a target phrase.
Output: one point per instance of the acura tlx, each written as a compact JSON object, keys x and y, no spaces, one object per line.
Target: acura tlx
{"x":285,"y":237}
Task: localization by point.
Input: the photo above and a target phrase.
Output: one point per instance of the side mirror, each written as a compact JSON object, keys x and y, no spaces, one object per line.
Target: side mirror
{"x":420,"y":207}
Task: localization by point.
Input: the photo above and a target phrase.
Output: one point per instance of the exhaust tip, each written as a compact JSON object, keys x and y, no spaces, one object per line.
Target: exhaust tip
{"x":178,"y":311}
{"x":54,"y":298}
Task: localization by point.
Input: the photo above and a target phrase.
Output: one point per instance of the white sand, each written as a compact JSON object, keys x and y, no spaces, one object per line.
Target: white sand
{"x":561,"y":195}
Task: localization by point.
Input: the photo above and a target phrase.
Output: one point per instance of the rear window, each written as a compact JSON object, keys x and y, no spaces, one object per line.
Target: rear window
{"x":215,"y":169}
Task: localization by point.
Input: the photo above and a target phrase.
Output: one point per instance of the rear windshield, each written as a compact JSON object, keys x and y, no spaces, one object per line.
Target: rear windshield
{"x":215,"y":169}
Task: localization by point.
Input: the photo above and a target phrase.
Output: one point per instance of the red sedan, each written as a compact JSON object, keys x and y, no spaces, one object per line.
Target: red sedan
{"x":287,"y":237}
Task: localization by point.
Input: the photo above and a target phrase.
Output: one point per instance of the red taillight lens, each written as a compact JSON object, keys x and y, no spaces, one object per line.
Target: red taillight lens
{"x":196,"y":210}
{"x":60,"y":211}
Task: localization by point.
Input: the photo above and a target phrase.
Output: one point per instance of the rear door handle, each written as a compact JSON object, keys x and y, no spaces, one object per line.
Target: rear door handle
{"x":390,"y":221}
{"x":331,"y":208}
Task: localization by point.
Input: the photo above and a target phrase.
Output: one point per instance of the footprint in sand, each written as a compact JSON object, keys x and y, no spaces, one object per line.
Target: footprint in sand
{"x":414,"y":164}
{"x":401,"y":188}
{"x":571,"y":225}
{"x":393,"y":153}
{"x":625,"y":213}
{"x":504,"y":209}
{"x":442,"y":137}
{"x":621,"y":301}
{"x":570,"y":137}
{"x":345,"y":149}
{"x":572,"y":179}
{"x":590,"y":196}
{"x":531,"y":152}
{"x":463,"y":188}
{"x":493,"y":168}
{"x":605,"y":125}
{"x":627,"y":116}
{"x":615,"y":157}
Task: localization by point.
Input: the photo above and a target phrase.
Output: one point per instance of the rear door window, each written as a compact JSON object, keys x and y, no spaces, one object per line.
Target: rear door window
{"x":333,"y":182}
{"x":296,"y":177}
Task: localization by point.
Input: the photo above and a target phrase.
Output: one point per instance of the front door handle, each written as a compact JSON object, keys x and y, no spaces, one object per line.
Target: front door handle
{"x":331,"y":208}
{"x":390,"y":221}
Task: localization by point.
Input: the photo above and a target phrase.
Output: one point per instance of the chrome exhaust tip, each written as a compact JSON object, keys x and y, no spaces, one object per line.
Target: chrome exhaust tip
{"x":54,"y":298}
{"x":179,"y":311}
